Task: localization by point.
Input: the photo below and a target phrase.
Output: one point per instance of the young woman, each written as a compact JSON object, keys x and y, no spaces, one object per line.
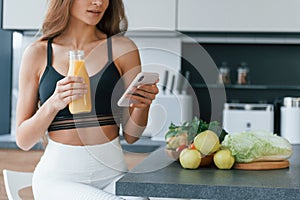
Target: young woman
{"x":83,"y":157}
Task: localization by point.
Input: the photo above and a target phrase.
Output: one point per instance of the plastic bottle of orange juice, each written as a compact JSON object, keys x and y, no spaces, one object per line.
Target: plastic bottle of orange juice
{"x":77,"y":68}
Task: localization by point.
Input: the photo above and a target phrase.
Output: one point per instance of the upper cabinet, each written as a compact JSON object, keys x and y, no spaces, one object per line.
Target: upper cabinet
{"x":151,"y":14}
{"x":23,"y":15}
{"x":142,"y":14}
{"x":239,"y":15}
{"x":181,"y":15}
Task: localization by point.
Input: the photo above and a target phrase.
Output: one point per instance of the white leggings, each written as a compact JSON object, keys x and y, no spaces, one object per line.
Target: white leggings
{"x":79,"y":172}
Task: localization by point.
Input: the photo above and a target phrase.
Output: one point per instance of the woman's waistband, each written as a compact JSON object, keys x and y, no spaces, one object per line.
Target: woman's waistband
{"x":58,"y":155}
{"x":114,"y":142}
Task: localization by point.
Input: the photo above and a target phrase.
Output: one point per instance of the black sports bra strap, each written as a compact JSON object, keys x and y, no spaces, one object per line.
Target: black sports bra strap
{"x":49,"y":52}
{"x":109,"y":49}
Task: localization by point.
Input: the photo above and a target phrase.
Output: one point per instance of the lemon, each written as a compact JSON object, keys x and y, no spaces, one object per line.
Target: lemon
{"x":190,"y":158}
{"x":207,"y":142}
{"x":223,"y":159}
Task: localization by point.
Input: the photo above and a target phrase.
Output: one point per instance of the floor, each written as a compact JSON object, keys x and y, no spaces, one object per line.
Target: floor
{"x":18,"y":160}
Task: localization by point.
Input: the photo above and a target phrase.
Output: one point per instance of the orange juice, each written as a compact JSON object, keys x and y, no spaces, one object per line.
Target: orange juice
{"x":77,"y":68}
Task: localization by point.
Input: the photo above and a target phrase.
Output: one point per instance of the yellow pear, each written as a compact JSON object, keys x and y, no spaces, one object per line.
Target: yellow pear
{"x":223,"y":159}
{"x":207,"y":142}
{"x":190,"y":158}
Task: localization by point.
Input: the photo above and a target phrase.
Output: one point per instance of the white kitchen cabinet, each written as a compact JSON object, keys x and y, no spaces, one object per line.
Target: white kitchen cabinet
{"x":239,"y":15}
{"x":23,"y":15}
{"x":151,"y":14}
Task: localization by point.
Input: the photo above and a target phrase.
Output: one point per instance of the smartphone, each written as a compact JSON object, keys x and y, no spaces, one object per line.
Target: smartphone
{"x":143,"y":78}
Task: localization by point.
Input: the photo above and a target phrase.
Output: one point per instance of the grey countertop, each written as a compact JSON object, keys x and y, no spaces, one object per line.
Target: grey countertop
{"x":143,"y":145}
{"x":211,"y":183}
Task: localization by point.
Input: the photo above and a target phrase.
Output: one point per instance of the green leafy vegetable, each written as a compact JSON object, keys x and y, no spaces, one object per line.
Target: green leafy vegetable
{"x":215,"y":126}
{"x":257,"y":146}
{"x":189,"y":127}
{"x":192,"y":129}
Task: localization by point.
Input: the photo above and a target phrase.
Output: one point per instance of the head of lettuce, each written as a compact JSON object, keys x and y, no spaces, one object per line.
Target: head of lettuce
{"x":254,"y":146}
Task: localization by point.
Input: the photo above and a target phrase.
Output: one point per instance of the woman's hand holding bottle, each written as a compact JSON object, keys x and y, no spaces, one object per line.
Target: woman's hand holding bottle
{"x":68,"y":89}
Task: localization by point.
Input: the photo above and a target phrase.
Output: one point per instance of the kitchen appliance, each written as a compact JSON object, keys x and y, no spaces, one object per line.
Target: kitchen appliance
{"x":238,"y":117}
{"x":167,"y":109}
{"x":172,"y":105}
{"x":290,"y":119}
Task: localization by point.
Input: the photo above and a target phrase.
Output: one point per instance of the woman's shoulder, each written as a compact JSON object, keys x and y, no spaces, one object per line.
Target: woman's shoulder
{"x":36,"y":49}
{"x":123,"y":43}
{"x":34,"y":56}
{"x":126,"y":52}
{"x":123,"y":46}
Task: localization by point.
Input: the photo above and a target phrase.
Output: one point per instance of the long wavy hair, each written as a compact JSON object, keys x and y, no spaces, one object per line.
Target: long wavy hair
{"x":58,"y":15}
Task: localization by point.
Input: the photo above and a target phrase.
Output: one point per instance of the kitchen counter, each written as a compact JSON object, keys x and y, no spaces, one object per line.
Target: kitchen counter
{"x":211,"y":183}
{"x":143,"y":145}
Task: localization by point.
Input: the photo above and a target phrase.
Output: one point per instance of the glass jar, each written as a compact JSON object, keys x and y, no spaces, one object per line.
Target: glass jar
{"x":243,"y":74}
{"x":224,"y":74}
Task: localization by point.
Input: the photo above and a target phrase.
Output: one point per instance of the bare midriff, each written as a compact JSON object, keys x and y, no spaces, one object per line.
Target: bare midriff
{"x":85,"y":136}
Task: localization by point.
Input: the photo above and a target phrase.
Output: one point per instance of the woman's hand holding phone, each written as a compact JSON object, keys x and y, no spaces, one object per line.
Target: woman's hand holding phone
{"x":141,"y":92}
{"x":143,"y":95}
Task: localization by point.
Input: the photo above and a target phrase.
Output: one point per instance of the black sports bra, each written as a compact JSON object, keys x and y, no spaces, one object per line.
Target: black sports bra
{"x":105,"y":91}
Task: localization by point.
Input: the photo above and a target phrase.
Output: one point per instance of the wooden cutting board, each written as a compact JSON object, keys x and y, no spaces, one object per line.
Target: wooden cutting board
{"x":264,"y":165}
